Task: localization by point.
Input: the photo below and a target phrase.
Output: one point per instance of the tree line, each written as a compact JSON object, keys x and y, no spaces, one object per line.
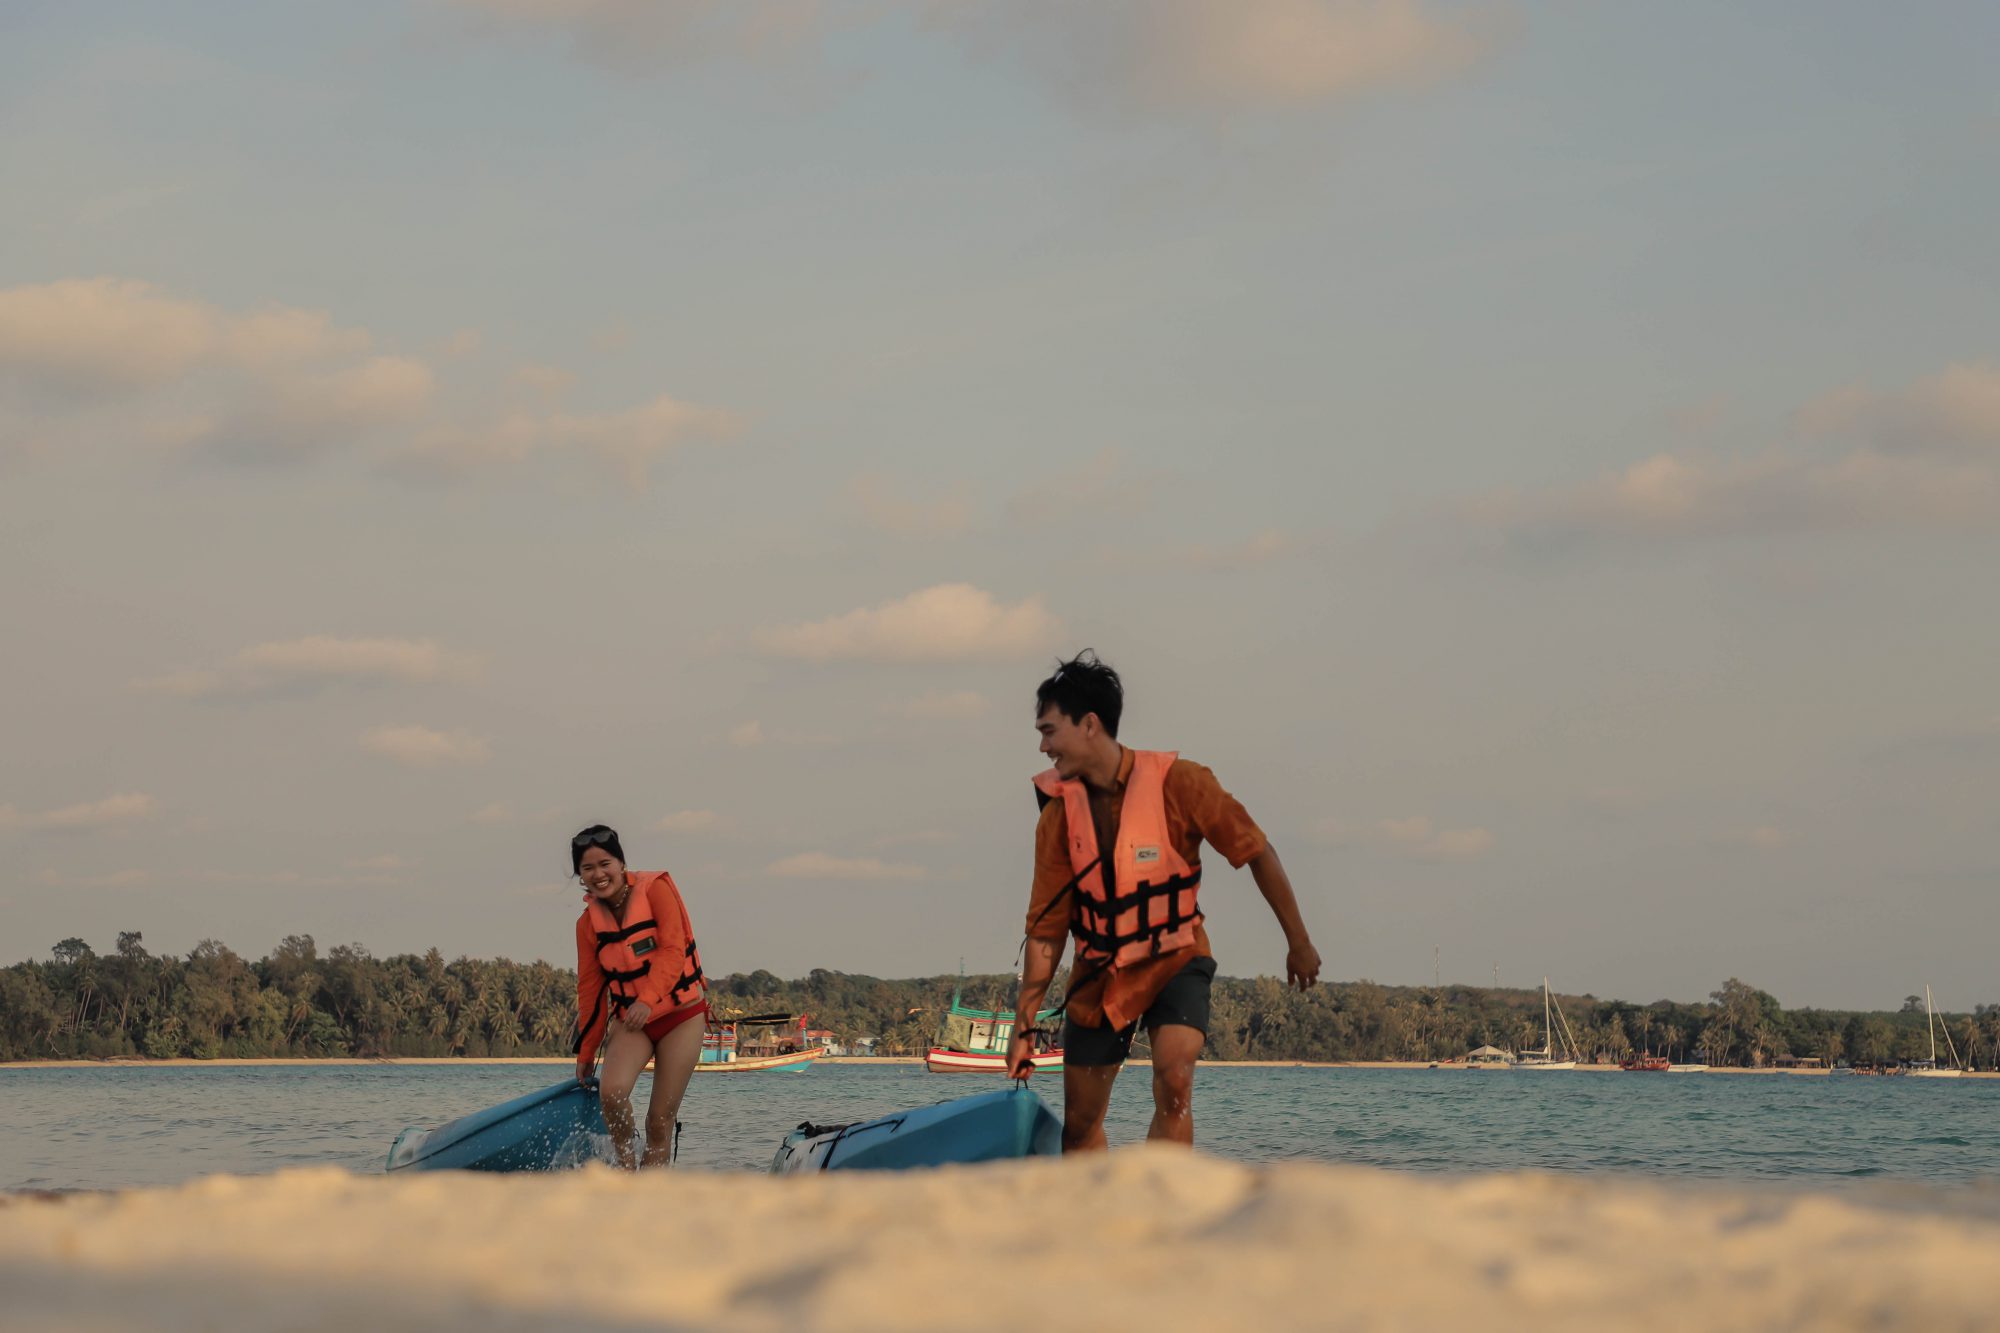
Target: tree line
{"x":299,"y":1002}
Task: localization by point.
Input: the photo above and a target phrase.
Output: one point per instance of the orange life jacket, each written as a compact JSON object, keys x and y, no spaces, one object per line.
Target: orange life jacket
{"x":1147,"y":908}
{"x":651,"y":958}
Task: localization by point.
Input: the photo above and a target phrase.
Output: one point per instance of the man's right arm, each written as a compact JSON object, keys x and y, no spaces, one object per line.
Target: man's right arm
{"x":1038,"y":969}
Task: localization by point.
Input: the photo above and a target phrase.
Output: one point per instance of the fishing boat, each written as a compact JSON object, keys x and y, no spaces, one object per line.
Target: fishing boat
{"x":974,"y":1041}
{"x":1929,"y":1068}
{"x":757,"y":1043}
{"x":558,"y":1126}
{"x":987,"y":1127}
{"x":1644,"y":1062}
{"x":1548,"y":1057}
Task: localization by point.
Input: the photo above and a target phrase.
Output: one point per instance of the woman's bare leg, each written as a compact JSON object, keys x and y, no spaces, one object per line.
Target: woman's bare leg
{"x":625,"y":1055}
{"x":673,"y":1064}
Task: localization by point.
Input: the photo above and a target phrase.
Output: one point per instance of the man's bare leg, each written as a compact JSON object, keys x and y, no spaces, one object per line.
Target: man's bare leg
{"x":1086,"y":1097}
{"x":1176,"y":1047}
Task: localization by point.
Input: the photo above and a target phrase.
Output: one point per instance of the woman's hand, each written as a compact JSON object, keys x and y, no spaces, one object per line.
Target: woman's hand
{"x":636,"y":1016}
{"x":586,"y":1065}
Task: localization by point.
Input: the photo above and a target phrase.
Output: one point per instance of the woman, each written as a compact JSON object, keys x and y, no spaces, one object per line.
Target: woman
{"x":638,"y":977}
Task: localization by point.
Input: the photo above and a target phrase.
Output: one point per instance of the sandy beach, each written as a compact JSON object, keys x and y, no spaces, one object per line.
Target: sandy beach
{"x":1198,"y":1242}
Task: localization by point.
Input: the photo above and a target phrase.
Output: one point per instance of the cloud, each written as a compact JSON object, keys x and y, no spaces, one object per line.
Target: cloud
{"x":1764,"y":838}
{"x":1081,"y":492}
{"x":747,"y":734}
{"x":1134,"y":55}
{"x":379,"y":864}
{"x":421,"y":747}
{"x":1261,"y":549}
{"x":121,"y":359}
{"x":117,"y":879}
{"x":916,"y":838}
{"x":498,"y":812}
{"x":819,"y":865}
{"x":319,"y":660}
{"x":1955,"y":412}
{"x":884,"y":509}
{"x":689,"y":821}
{"x":108,"y":334}
{"x":111,"y":812}
{"x":1924,"y":458}
{"x":1685,"y":496}
{"x":1156,"y":56}
{"x":940,"y":706}
{"x":637,"y":36}
{"x":952,"y":622}
{"x":630,"y":441}
{"x":1415,"y":837}
{"x":548,"y":381}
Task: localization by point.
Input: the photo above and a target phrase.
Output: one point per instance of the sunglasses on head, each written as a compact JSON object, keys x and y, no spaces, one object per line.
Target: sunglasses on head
{"x":602,"y":838}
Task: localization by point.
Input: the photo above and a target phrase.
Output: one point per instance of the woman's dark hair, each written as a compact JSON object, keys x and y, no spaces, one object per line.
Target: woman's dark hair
{"x":597,"y":835}
{"x":1083,"y":685}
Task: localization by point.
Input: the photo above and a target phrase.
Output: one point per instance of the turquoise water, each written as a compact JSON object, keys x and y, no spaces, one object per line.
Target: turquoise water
{"x":92,"y":1127}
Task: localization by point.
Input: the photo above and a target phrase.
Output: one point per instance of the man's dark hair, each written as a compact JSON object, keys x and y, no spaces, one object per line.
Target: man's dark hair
{"x":1083,"y":685}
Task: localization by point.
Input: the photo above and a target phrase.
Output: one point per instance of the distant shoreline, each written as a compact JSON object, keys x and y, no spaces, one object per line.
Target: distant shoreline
{"x":182,"y":1062}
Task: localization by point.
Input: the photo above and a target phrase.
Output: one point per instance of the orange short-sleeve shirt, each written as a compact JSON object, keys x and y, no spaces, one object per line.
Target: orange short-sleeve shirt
{"x":1198,"y":810}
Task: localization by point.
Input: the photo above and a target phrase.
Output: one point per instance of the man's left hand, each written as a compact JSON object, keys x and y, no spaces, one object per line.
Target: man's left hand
{"x":1302,"y":965}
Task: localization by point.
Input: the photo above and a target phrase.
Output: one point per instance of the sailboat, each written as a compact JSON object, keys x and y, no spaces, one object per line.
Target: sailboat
{"x":1546,"y":1057}
{"x":1929,"y":1068}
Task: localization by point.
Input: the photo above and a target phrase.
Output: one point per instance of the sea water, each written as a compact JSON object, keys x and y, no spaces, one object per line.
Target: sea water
{"x":106,"y":1127}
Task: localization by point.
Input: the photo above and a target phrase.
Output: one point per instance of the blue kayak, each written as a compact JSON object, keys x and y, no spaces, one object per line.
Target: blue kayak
{"x":987,"y":1127}
{"x":557,"y":1127}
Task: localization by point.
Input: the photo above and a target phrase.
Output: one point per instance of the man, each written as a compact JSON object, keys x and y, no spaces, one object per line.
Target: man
{"x":1117,"y":865}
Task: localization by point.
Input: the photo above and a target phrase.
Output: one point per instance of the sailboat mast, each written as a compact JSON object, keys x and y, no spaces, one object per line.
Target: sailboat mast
{"x":1930,"y":1025}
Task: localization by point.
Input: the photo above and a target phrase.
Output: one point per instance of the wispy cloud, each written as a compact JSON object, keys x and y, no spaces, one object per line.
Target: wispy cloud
{"x":820,"y":865}
{"x":1082,"y":491}
{"x":688,"y":821}
{"x":119,"y":359}
{"x":1415,"y":837}
{"x":940,"y":706}
{"x":1923,"y":458}
{"x":952,"y":622}
{"x":320,"y":660}
{"x":111,"y":812}
{"x":1127,"y":55}
{"x":1174,"y":56}
{"x":883,"y":507}
{"x":421,"y":747}
{"x":117,"y":879}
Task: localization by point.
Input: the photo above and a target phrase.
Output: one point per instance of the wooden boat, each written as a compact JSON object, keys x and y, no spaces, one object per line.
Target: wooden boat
{"x":758,"y":1043}
{"x":1645,"y":1063}
{"x":974,"y":1041}
{"x":988,"y":1127}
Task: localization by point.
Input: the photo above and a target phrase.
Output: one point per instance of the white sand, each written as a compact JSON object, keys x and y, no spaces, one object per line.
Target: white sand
{"x":1170,"y":1242}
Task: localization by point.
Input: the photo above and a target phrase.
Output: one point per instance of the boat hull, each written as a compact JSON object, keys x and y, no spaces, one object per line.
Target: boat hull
{"x":1937,"y":1073}
{"x":986,"y":1127}
{"x":762,"y":1064}
{"x":1542,"y":1066}
{"x":557,"y":1127}
{"x":942,"y":1061}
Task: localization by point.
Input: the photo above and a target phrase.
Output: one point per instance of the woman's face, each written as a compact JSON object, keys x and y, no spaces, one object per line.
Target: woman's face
{"x":603,"y":874}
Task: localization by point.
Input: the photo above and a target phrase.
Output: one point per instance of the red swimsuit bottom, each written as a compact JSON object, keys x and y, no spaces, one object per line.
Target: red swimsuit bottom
{"x":666,"y":1023}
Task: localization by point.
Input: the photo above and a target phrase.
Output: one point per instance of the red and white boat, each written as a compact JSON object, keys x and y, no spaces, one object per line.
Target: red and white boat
{"x":974,"y":1041}
{"x":941,"y":1060}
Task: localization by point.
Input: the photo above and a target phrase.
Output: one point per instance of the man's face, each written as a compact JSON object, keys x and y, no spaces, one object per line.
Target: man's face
{"x":1065,"y":742}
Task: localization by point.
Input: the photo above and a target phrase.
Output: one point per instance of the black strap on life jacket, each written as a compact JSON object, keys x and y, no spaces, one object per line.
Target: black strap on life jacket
{"x":605,"y":937}
{"x":1095,"y":925}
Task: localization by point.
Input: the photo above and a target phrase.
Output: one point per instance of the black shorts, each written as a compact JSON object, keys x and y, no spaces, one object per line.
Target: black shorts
{"x":1184,"y":1001}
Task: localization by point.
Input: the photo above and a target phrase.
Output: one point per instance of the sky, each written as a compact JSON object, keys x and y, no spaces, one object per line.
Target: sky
{"x":1545,"y":458}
